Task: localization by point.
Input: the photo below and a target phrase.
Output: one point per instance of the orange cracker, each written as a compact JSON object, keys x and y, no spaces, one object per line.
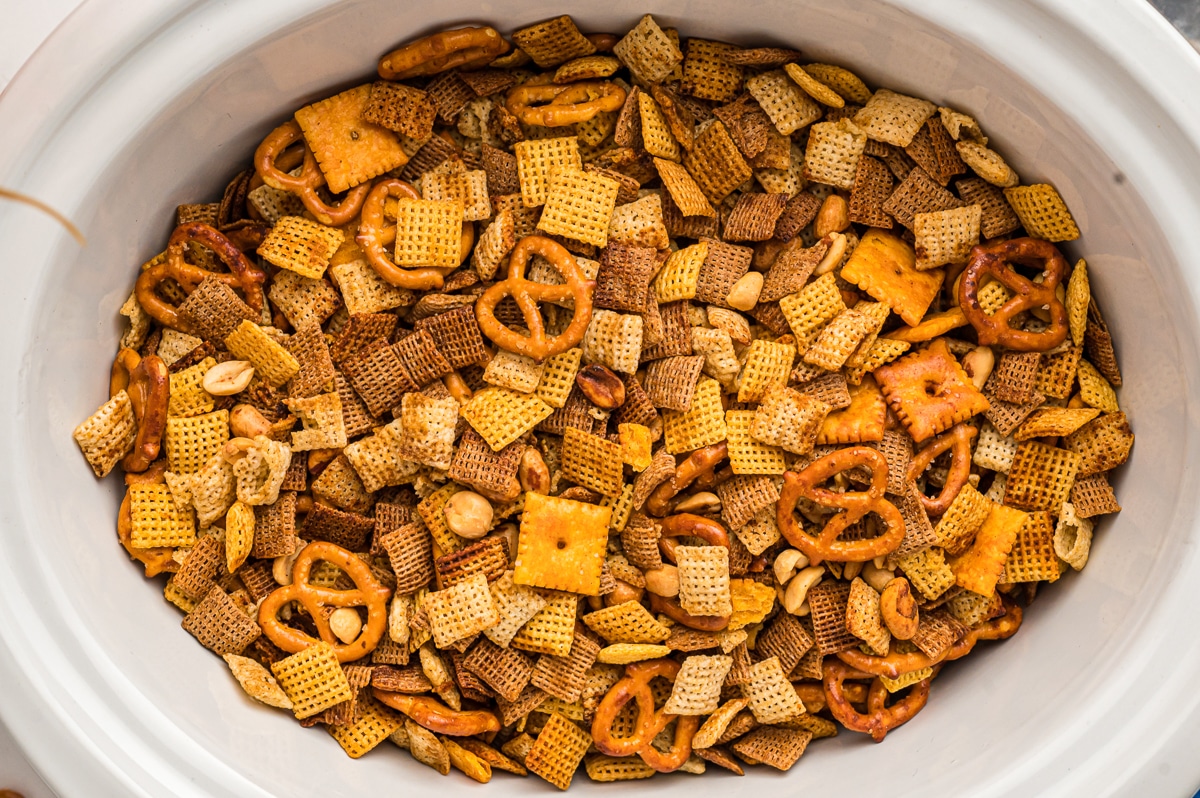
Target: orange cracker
{"x":1042,"y":212}
{"x":768,"y":366}
{"x":635,"y":442}
{"x":885,"y":267}
{"x":980,"y":568}
{"x":538,"y":159}
{"x":862,"y":421}
{"x":301,"y":246}
{"x":929,"y":391}
{"x":701,"y":425}
{"x":349,"y":149}
{"x":561,"y":544}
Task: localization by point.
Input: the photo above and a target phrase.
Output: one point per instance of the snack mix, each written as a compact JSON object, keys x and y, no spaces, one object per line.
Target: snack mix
{"x":628,"y":402}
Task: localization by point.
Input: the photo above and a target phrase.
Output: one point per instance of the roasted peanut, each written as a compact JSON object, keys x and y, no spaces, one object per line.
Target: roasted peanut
{"x":228,"y":378}
{"x":834,"y":216}
{"x":744,"y":294}
{"x":700,"y":503}
{"x":877,"y":577}
{"x":246,"y":421}
{"x":532,"y":472}
{"x":787,"y":562}
{"x":978,"y":363}
{"x":663,"y":581}
{"x":468,"y":514}
{"x":345,"y":624}
{"x":797,"y":589}
{"x":899,"y":608}
{"x":833,"y":256}
{"x":851,"y":570}
{"x":601,"y":386}
{"x":235,"y":449}
{"x":623,"y":593}
{"x":281,"y":567}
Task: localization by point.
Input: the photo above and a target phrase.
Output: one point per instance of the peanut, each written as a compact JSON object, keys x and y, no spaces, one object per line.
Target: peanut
{"x":797,"y":590}
{"x":851,"y":570}
{"x":787,"y":562}
{"x":663,"y":581}
{"x":235,"y":449}
{"x":228,"y":378}
{"x":601,"y":386}
{"x":899,"y":609}
{"x":978,"y":363}
{"x":281,"y":568}
{"x":532,"y":472}
{"x":833,"y":257}
{"x":744,"y":294}
{"x":345,"y":624}
{"x":624,"y":592}
{"x":468,"y":514}
{"x":245,"y":421}
{"x":834,"y":216}
{"x":877,"y":577}
{"x":702,"y":502}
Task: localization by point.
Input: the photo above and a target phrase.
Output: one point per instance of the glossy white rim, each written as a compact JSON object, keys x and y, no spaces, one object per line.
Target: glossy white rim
{"x":93,"y":720}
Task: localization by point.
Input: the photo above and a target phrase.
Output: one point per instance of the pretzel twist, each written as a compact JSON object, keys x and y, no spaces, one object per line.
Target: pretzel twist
{"x":712,"y":533}
{"x":854,"y":506}
{"x":995,"y":261}
{"x":242,"y":273}
{"x":696,"y":465}
{"x":559,"y":105}
{"x":958,"y":441}
{"x":537,"y":345}
{"x":149,"y":389}
{"x":879,"y":718}
{"x":374,"y":236}
{"x":304,"y":186}
{"x":465,"y":48}
{"x":895,"y":665}
{"x":428,"y":712}
{"x":368,"y":593}
{"x":635,"y":686}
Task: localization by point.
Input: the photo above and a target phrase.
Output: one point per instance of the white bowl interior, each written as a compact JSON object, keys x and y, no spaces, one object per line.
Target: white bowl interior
{"x":144,"y":142}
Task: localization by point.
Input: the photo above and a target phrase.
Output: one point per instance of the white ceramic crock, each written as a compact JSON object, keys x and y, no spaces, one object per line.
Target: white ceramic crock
{"x":133,"y":108}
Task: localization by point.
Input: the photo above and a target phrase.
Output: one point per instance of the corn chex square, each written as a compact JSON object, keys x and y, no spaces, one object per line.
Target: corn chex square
{"x":579,"y":205}
{"x":746,"y":454}
{"x":707,"y":75}
{"x":811,"y":308}
{"x":313,"y":680}
{"x":561,"y":544}
{"x":554,"y":41}
{"x":627,"y":622}
{"x":1042,"y":212}
{"x":833,"y":152}
{"x":789,"y":107}
{"x":108,"y":434}
{"x":558,"y":751}
{"x":465,"y":609}
{"x":704,"y":579}
{"x":697,"y":688}
{"x":272,"y":362}
{"x":700,"y":425}
{"x":538,"y":159}
{"x":592,"y":461}
{"x":156,"y":521}
{"x":893,"y":118}
{"x":772,"y":697}
{"x":428,"y":232}
{"x":349,"y":149}
{"x":945,"y":237}
{"x":191,"y":442}
{"x":768,"y":366}
{"x":301,"y":246}
{"x":552,"y":630}
{"x":649,"y":53}
{"x":501,"y":416}
{"x":678,"y":277}
{"x":468,"y":188}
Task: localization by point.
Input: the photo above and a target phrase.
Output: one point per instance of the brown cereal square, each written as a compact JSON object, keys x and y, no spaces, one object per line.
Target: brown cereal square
{"x":828,"y":602}
{"x":501,"y":169}
{"x":378,"y":376}
{"x":716,"y":164}
{"x":346,"y":529}
{"x":309,"y":348}
{"x":275,"y":527}
{"x":706,"y":73}
{"x":401,"y":108}
{"x":785,"y":638}
{"x":624,"y":276}
{"x":676,"y":333}
{"x":638,"y":409}
{"x":1102,"y":444}
{"x":213,"y":311}
{"x":798,"y":214}
{"x":565,"y":677}
{"x":505,"y":670}
{"x":1092,"y":495}
{"x":743,"y":496}
{"x":754,"y":216}
{"x":421,"y":357}
{"x":919,"y":193}
{"x":678,"y":225}
{"x":933,"y":150}
{"x":488,"y":556}
{"x":435,"y":151}
{"x":997,"y":216}
{"x":553,"y":42}
{"x":410,"y":550}
{"x":791,"y":270}
{"x":362,"y":330}
{"x":873,"y":185}
{"x":457,"y":335}
{"x":671,"y":381}
{"x":1041,"y":477}
{"x":475,"y":464}
{"x":220,"y":625}
{"x":772,"y":745}
{"x":1014,"y":378}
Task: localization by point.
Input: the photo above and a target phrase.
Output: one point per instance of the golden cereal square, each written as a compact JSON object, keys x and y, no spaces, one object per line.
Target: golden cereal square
{"x":841,"y":80}
{"x":945,"y":237}
{"x":656,"y":132}
{"x":811,"y":308}
{"x":274,"y":364}
{"x":704,"y":580}
{"x":592,"y":461}
{"x":375,"y":724}
{"x":1041,"y":477}
{"x":302,"y":246}
{"x":538,"y":159}
{"x":707,"y":75}
{"x":701,"y":425}
{"x":893,"y":118}
{"x":460,"y":611}
{"x":768,"y":366}
{"x":1042,"y":212}
{"x":1032,"y":557}
{"x":558,"y":377}
{"x":313,"y":680}
{"x":789,"y":108}
{"x":428,"y":232}
{"x":833,"y":152}
{"x":501,"y":416}
{"x":552,"y":629}
{"x":190,"y":442}
{"x":554,"y":41}
{"x":188,"y":397}
{"x":684,"y":191}
{"x":468,"y":188}
{"x":349,"y":149}
{"x":561,"y":544}
{"x":885,"y":267}
{"x":746,"y":454}
{"x":579,"y":206}
{"x":648,"y":52}
{"x":558,"y":751}
{"x":627,"y":622}
{"x":108,"y":434}
{"x":678,"y":277}
{"x":156,"y":520}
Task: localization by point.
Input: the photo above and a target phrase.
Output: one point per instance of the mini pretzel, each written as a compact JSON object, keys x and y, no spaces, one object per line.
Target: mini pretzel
{"x":559,"y":105}
{"x":149,"y":390}
{"x":527,"y":294}
{"x":895,"y":665}
{"x":813,"y":695}
{"x":635,"y":686}
{"x":267,"y":162}
{"x":958,"y":440}
{"x":467,"y":48}
{"x":432,"y":714}
{"x":995,"y":261}
{"x":123,"y":365}
{"x":855,"y":505}
{"x":879,"y":718}
{"x":374,"y":237}
{"x":697,"y":464}
{"x":368,"y":593}
{"x":242,"y":274}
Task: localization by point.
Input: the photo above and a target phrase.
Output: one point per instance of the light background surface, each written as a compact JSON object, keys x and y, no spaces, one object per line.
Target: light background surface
{"x":27,"y":24}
